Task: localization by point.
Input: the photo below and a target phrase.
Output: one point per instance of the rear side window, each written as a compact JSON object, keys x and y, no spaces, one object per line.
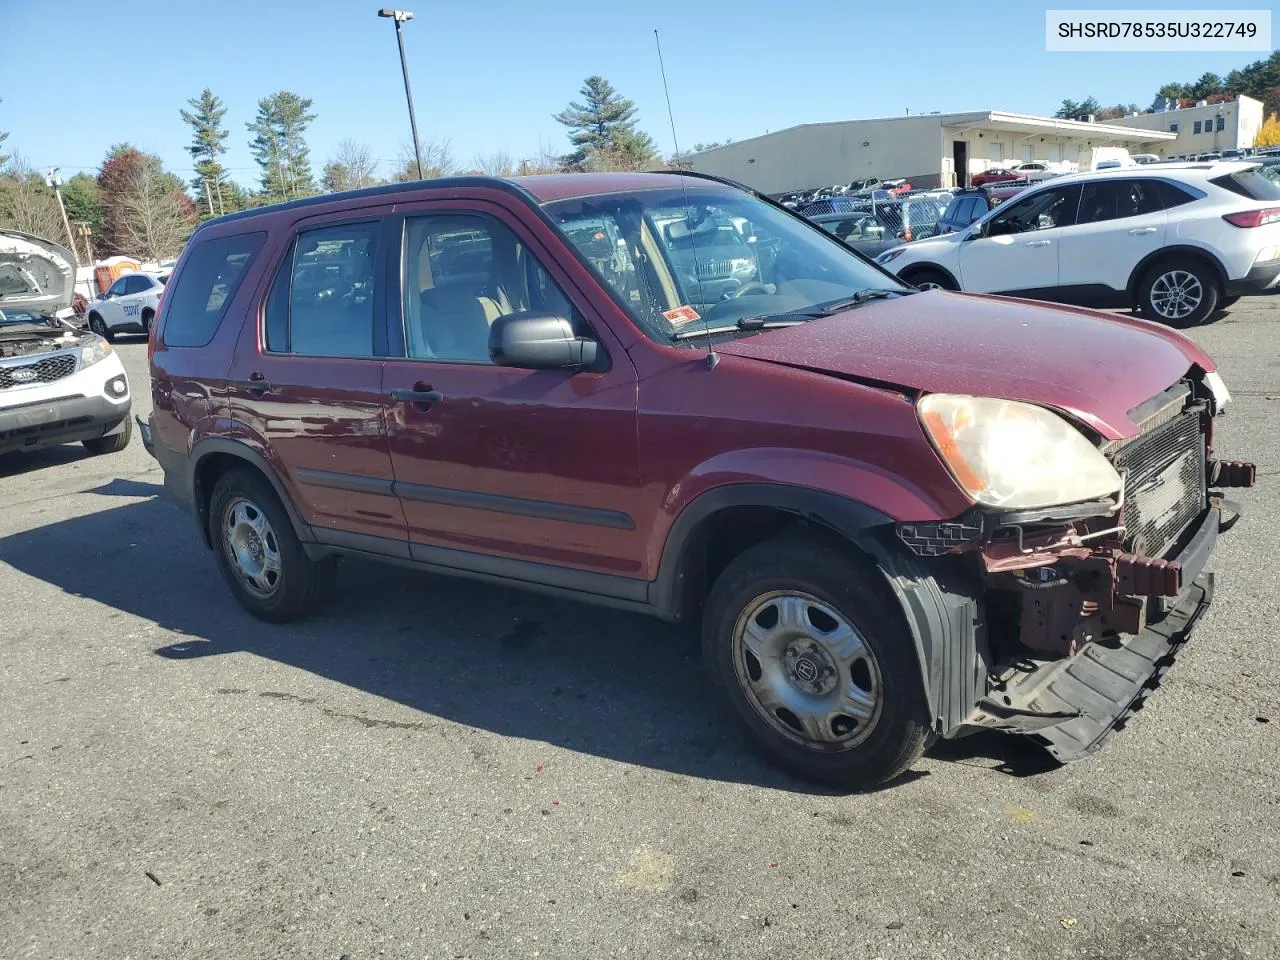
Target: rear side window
{"x":1249,"y":183}
{"x":321,"y":304}
{"x":207,"y":285}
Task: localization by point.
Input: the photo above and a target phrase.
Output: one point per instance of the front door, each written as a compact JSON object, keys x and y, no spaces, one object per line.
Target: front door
{"x":1017,"y":249}
{"x":307,"y":384}
{"x":533,"y":466}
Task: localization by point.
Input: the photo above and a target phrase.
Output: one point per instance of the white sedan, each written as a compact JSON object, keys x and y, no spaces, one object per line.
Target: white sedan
{"x":128,"y":306}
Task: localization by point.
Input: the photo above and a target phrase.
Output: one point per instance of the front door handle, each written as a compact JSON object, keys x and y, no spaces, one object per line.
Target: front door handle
{"x":417,"y":396}
{"x":253,"y":385}
{"x":1039,"y":243}
{"x":1141,"y":231}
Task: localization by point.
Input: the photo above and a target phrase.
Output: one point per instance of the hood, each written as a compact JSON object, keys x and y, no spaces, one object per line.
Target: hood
{"x":1093,"y":366}
{"x":37,"y":276}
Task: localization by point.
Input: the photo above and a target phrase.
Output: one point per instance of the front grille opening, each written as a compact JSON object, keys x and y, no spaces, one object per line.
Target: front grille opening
{"x":1165,"y":487}
{"x":46,"y":370}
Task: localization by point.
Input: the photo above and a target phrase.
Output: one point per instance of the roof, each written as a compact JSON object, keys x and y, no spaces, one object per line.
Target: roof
{"x":1189,"y":171}
{"x":542,"y":188}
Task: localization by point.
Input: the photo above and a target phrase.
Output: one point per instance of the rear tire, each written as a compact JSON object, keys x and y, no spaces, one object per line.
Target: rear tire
{"x":930,"y":279}
{"x":112,"y":444}
{"x":814,"y":659}
{"x":258,"y":552}
{"x":1179,"y":292}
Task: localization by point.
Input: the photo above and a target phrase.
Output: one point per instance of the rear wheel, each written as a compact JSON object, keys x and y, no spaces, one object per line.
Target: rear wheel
{"x":930,"y":279}
{"x":258,"y":552}
{"x":1178,"y":292}
{"x":100,"y":328}
{"x":816,"y":663}
{"x":112,"y":444}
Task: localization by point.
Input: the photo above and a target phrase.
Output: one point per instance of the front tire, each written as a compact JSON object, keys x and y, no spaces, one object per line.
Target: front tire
{"x":930,"y":279}
{"x":147,"y":316}
{"x":258,"y":552}
{"x":816,"y":662}
{"x":1178,"y":292}
{"x":112,"y":444}
{"x":101,"y":329}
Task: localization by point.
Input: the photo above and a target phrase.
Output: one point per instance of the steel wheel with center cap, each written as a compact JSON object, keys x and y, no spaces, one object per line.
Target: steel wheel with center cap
{"x":258,"y":551}
{"x":1178,"y":292}
{"x":802,"y":634}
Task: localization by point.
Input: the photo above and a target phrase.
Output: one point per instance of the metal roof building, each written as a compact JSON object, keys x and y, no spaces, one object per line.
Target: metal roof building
{"x":935,"y":149}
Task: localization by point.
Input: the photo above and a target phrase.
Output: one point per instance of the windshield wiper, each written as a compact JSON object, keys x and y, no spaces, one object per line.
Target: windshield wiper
{"x":746,"y":323}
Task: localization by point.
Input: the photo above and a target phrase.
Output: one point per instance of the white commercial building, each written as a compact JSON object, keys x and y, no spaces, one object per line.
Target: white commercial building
{"x":935,"y":149}
{"x":1203,"y":128}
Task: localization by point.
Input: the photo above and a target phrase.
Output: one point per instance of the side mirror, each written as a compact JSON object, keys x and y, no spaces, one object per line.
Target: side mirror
{"x":539,"y":341}
{"x":974,"y":231}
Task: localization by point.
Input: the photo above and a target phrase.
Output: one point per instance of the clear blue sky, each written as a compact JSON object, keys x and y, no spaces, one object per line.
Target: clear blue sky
{"x":488,"y":75}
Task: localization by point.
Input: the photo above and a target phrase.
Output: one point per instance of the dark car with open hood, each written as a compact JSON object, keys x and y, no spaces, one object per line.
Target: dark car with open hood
{"x":893,"y":515}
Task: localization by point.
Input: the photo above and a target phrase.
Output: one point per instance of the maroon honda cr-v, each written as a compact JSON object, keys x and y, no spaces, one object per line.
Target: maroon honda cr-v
{"x":897,"y":515}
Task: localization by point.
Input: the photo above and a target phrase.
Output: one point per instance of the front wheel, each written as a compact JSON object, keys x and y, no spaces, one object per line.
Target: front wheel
{"x":930,"y":280}
{"x":101,"y":329}
{"x":1178,"y":292}
{"x":816,"y":662}
{"x":112,"y":444}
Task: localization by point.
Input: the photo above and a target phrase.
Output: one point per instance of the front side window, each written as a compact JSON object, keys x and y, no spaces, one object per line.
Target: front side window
{"x":321,"y":304}
{"x":461,"y":272}
{"x":1040,"y":211}
{"x":117,"y":289}
{"x":211,"y":275}
{"x":685,"y":260}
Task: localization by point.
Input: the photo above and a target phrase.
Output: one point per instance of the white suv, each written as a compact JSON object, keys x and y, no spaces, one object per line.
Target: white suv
{"x":128,"y":305}
{"x":1177,"y":242}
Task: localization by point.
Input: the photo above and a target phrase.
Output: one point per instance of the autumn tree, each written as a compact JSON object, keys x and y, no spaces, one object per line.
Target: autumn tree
{"x":279,"y":145}
{"x":602,"y":129}
{"x":141,"y":205}
{"x":1269,"y":135}
{"x":350,"y":167}
{"x":208,"y":143}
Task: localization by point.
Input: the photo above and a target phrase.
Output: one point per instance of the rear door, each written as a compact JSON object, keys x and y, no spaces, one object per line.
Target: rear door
{"x":1120,"y":222}
{"x":306,"y":382}
{"x":1018,"y":247}
{"x":538,"y":466}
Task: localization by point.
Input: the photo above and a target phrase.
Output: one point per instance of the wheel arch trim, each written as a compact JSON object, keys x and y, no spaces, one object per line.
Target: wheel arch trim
{"x":1176,"y":250}
{"x":210,"y":446}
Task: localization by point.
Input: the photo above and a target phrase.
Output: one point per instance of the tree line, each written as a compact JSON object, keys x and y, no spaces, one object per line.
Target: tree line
{"x":133,"y":205}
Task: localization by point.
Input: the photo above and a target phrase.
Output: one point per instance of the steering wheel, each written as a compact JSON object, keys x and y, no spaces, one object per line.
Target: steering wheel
{"x":755,"y":286}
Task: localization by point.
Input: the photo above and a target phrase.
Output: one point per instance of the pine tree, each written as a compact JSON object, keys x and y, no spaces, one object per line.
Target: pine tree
{"x":602,"y":130}
{"x":208,"y":142}
{"x":280,"y":146}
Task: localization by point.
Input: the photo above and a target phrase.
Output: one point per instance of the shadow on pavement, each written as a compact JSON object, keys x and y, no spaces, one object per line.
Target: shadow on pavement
{"x":590,"y":679}
{"x":17,"y":463}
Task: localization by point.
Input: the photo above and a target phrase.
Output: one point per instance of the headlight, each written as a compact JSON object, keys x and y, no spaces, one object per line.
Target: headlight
{"x":741,"y":264}
{"x":1221,"y":396}
{"x":890,"y":255}
{"x":1015,"y":455}
{"x":93,"y":351}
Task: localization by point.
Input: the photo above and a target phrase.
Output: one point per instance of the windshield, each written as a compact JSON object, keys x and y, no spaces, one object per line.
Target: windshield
{"x":10,"y":318}
{"x":683,"y":261}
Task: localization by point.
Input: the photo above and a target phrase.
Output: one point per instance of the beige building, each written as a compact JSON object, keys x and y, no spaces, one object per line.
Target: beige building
{"x":1204,"y":128}
{"x":935,"y":149}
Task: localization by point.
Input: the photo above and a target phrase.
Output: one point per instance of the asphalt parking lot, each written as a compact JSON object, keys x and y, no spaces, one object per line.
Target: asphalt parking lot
{"x":436,"y":768}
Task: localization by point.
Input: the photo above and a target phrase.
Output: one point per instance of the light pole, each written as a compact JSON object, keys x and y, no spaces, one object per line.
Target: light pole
{"x":54,"y":180}
{"x":401,"y":17}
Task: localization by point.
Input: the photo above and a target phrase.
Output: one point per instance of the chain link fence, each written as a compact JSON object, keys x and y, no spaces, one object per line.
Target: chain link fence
{"x":907,"y":218}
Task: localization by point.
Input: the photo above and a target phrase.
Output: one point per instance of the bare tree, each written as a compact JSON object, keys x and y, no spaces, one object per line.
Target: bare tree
{"x":496,"y":164}
{"x":27,"y":204}
{"x":156,"y":222}
{"x":437,"y":161}
{"x":351,"y":166}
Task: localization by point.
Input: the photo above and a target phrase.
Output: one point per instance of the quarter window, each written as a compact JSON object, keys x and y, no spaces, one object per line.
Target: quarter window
{"x":461,"y":273}
{"x":321,"y":304}
{"x":211,"y":275}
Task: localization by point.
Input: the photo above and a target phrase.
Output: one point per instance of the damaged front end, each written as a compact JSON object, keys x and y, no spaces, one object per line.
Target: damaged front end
{"x":1081,"y":607}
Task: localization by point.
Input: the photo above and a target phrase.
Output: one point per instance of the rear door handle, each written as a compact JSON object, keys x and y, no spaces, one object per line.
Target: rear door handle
{"x":1141,"y":231}
{"x":253,"y":386}
{"x":417,"y":396}
{"x":1039,"y":243}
